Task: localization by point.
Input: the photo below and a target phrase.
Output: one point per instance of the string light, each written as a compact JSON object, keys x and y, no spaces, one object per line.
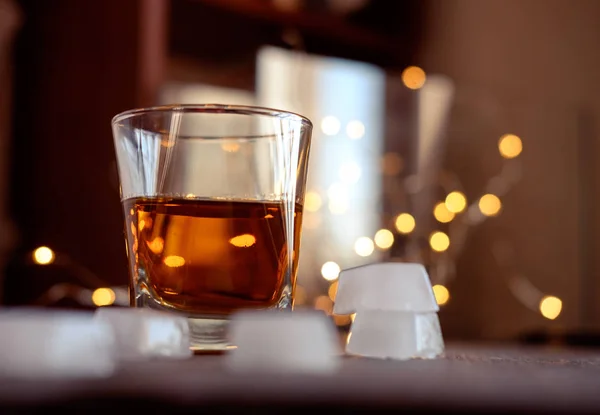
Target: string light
{"x":330,"y":270}
{"x":364,"y":246}
{"x":103,"y":297}
{"x":442,"y":214}
{"x":405,"y":223}
{"x":439,"y":241}
{"x":441,"y":293}
{"x":456,"y":202}
{"x":330,"y":125}
{"x":510,"y":146}
{"x":43,"y":255}
{"x":391,"y":164}
{"x":413,"y":77}
{"x":490,"y":205}
{"x":384,"y":239}
{"x":355,"y":129}
{"x":550,"y":307}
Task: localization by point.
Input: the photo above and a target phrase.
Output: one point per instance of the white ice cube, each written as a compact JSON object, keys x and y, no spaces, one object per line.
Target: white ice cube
{"x":143,"y":333}
{"x":53,"y":344}
{"x":397,"y":335}
{"x":396,"y":312}
{"x":276,"y":341}
{"x":385,"y":286}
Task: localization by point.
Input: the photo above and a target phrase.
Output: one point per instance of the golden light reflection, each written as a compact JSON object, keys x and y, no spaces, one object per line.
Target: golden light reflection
{"x":103,"y":296}
{"x":141,"y":225}
{"x":243,"y":241}
{"x":439,"y":241}
{"x":174,"y":261}
{"x":490,"y":205}
{"x":131,"y":212}
{"x":413,"y":77}
{"x":456,"y":202}
{"x":323,"y":303}
{"x":156,"y":245}
{"x":364,"y":246}
{"x":510,"y":146}
{"x":355,"y":129}
{"x":332,"y":291}
{"x":442,"y":214}
{"x":330,"y":125}
{"x":230,"y":147}
{"x":330,"y":270}
{"x":405,"y":223}
{"x":550,"y":307}
{"x":441,"y":293}
{"x":384,"y":239}
{"x":312,"y":201}
{"x":43,"y":255}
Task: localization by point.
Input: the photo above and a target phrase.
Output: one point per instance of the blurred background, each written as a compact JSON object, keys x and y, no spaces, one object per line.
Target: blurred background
{"x":462,"y":134}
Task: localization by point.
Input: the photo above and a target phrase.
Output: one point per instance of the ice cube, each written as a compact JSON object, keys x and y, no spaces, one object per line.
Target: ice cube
{"x":385,"y":286}
{"x":396,"y":312}
{"x":144,"y":333}
{"x":53,"y":344}
{"x":397,"y":335}
{"x":278,"y":341}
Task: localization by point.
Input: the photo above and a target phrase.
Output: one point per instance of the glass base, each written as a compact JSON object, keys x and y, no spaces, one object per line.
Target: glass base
{"x":208,"y":335}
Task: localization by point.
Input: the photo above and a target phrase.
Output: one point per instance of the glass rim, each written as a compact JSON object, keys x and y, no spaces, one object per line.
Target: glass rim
{"x":213,"y":109}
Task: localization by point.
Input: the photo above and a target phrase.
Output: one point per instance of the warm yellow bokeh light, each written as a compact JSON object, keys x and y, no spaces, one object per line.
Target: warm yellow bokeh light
{"x":330,"y":125}
{"x":337,"y":207}
{"x":230,"y":147}
{"x":156,"y":245}
{"x":243,"y":241}
{"x":43,"y":255}
{"x":439,"y":241}
{"x":364,"y":246}
{"x":550,"y":307}
{"x":323,"y":303}
{"x":456,"y":202}
{"x":174,"y":261}
{"x":349,"y":172}
{"x":442,"y":295}
{"x":312,"y":201}
{"x":490,"y":205}
{"x":384,"y":239}
{"x":510,"y":146}
{"x":103,"y":297}
{"x":442,"y":214}
{"x":332,"y":291}
{"x":405,"y":223}
{"x":330,"y":270}
{"x":190,"y":196}
{"x":355,"y":129}
{"x":413,"y":77}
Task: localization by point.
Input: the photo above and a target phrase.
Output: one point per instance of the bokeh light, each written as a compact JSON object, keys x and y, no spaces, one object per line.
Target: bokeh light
{"x":405,"y":223}
{"x":392,"y":164}
{"x":103,"y":296}
{"x":384,"y":238}
{"x":330,"y":125}
{"x":442,"y":214}
{"x":413,"y":77}
{"x":490,"y":205}
{"x":364,"y":246}
{"x":550,"y":307}
{"x":439,"y":241}
{"x":510,"y":146}
{"x":330,"y":270}
{"x":324,"y":303}
{"x":312,"y":201}
{"x":442,"y":295}
{"x":456,"y":202}
{"x":350,"y":172}
{"x":332,"y":291}
{"x":355,"y":129}
{"x":43,"y":255}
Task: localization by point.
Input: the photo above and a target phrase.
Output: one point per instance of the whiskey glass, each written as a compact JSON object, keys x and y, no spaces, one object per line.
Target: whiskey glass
{"x":212,"y":199}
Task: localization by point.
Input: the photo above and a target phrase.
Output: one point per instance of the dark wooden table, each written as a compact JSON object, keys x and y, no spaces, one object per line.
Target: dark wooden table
{"x":472,"y":379}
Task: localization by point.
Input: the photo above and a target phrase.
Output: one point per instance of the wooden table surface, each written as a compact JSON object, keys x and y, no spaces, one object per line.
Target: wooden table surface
{"x":469,"y":379}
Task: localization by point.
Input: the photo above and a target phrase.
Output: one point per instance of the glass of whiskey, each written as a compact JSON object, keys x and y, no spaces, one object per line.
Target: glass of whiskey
{"x":212,"y":198}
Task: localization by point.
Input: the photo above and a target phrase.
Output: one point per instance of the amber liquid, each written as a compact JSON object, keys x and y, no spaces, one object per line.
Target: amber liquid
{"x":209,"y":257}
